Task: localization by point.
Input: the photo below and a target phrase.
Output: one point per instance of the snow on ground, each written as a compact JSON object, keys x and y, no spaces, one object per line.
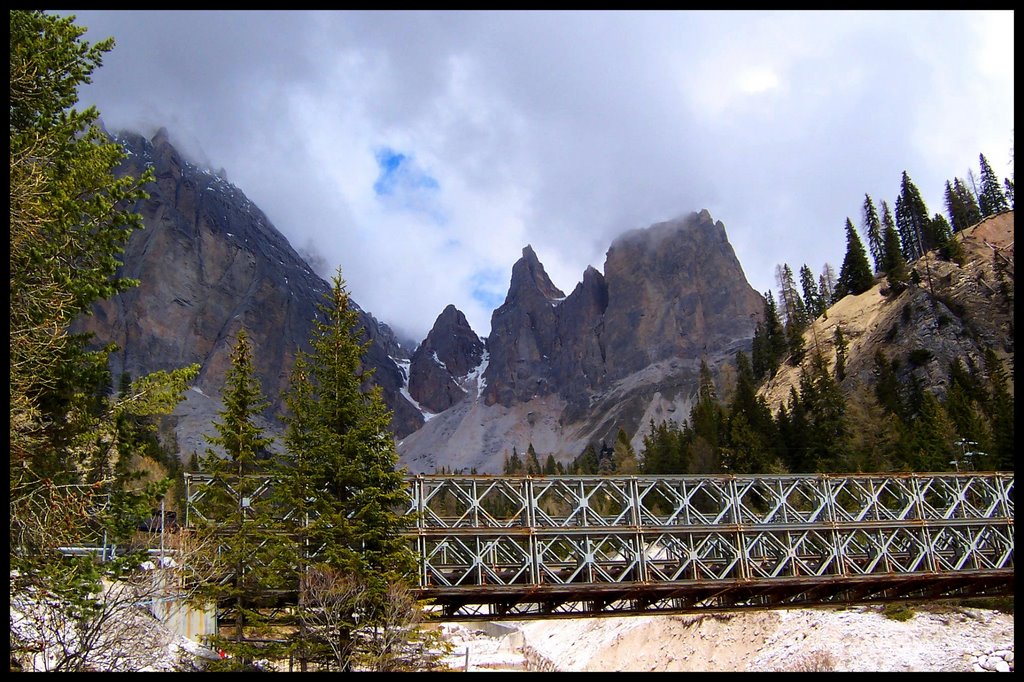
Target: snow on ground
{"x":860,"y":638}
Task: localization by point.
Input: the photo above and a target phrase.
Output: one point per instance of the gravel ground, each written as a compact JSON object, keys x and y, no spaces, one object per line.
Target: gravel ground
{"x":862,"y":638}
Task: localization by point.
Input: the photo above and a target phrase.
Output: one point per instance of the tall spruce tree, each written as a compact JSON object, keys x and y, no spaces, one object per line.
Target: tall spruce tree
{"x":707,"y":420}
{"x":961,"y":206}
{"x":855,"y":274}
{"x":340,"y":477}
{"x":911,"y":218}
{"x":999,"y":408}
{"x":813,"y":299}
{"x":872,"y":226}
{"x":991,"y":199}
{"x":70,"y":219}
{"x":893,"y":264}
{"x":769,"y":344}
{"x":238,"y":511}
{"x":750,"y":429}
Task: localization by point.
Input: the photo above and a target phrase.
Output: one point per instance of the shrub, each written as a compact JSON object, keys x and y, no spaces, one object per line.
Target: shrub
{"x":898,"y":612}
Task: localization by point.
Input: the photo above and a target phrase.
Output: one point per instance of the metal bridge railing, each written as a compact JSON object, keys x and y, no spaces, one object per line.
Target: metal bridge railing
{"x":499,"y":546}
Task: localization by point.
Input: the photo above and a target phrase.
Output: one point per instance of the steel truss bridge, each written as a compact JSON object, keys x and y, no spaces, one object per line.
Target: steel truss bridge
{"x":502,"y":547}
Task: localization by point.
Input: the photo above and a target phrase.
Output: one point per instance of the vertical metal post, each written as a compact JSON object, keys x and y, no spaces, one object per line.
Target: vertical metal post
{"x":163,"y":518}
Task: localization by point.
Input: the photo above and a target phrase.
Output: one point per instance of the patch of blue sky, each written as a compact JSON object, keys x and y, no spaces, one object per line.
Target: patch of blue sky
{"x":488,"y":287}
{"x":404,"y":185}
{"x":399,"y":173}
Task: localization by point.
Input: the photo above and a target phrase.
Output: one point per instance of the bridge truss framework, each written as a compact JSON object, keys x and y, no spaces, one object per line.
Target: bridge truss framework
{"x":492,"y":547}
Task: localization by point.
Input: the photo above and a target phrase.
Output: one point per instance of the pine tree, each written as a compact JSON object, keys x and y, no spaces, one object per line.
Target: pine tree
{"x":999,"y":408}
{"x":812,"y":297}
{"x":341,"y":475}
{"x":513,"y":464}
{"x":1008,"y":184}
{"x":532,"y":461}
{"x":961,"y":206}
{"x":887,"y":385}
{"x":893,"y":264}
{"x":855,"y":274}
{"x":932,"y":436}
{"x":237,"y":509}
{"x":941,"y":234}
{"x":841,"y":347}
{"x":587,"y":462}
{"x":991,"y":199}
{"x":873,"y":231}
{"x":825,"y":408}
{"x":794,"y":430}
{"x":551,"y":466}
{"x":751,"y":431}
{"x":70,"y":219}
{"x":965,"y":410}
{"x":707,"y":418}
{"x":911,"y":219}
{"x":769,"y":344}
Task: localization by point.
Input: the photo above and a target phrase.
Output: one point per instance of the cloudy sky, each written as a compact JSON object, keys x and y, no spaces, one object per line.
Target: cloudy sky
{"x":422,"y":151}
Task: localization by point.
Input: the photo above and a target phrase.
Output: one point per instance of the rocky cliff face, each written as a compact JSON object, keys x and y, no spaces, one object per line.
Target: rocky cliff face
{"x":557,"y":371}
{"x":210,"y":262}
{"x":624,"y":347}
{"x":443,"y":361}
{"x":954,"y":313}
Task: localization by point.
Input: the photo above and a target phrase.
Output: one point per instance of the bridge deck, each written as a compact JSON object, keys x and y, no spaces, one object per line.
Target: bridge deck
{"x":494,"y":547}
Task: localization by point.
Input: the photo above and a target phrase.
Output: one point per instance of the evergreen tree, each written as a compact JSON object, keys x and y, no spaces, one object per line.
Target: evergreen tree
{"x":855,"y":274}
{"x":341,"y":475}
{"x":872,"y":226}
{"x":893,"y":264}
{"x":999,"y":409}
{"x":963,"y":404}
{"x":69,"y":221}
{"x":751,"y":431}
{"x":551,"y":466}
{"x":237,"y":510}
{"x":813,"y":299}
{"x":933,"y":436}
{"x":795,"y":343}
{"x":769,"y":344}
{"x":532,"y":461}
{"x":794,"y":430}
{"x":887,"y":385}
{"x":1008,"y":184}
{"x":513,"y":465}
{"x":961,"y":206}
{"x":587,"y":463}
{"x":605,"y":460}
{"x":823,"y":402}
{"x":911,"y":219}
{"x":707,"y":419}
{"x":969,"y":202}
{"x":841,"y":347}
{"x":941,"y":235}
{"x":991,"y":199}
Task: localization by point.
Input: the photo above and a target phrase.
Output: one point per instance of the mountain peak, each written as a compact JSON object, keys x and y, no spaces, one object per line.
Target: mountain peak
{"x":528,"y":274}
